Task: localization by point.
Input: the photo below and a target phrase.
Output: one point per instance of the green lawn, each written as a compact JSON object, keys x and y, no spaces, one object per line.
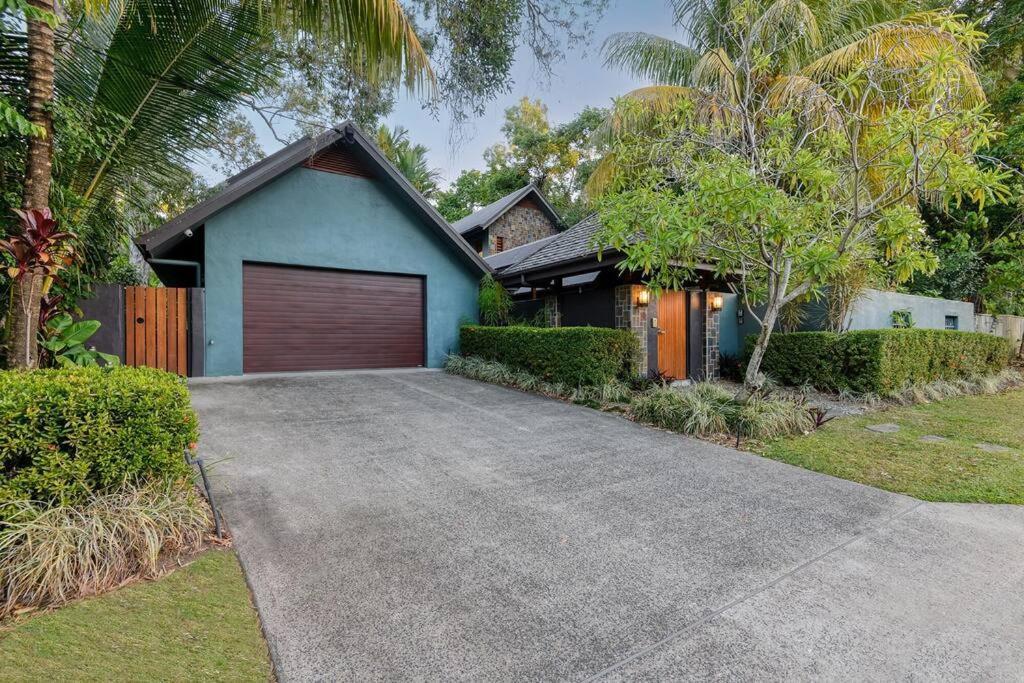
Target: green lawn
{"x":956,"y":470}
{"x":195,"y":624}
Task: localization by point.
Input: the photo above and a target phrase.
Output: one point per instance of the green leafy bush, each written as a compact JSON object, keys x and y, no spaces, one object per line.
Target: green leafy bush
{"x":570,"y":355}
{"x":798,"y":358}
{"x":67,"y":433}
{"x":882,"y":362}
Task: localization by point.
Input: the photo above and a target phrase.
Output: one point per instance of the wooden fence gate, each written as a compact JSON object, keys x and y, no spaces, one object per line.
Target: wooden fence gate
{"x":156,"y":328}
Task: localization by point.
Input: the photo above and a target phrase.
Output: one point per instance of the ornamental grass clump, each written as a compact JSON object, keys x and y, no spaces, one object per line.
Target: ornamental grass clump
{"x":707,"y":409}
{"x":50,"y":555}
{"x":942,"y":389}
{"x":703,"y":410}
{"x":766,"y":417}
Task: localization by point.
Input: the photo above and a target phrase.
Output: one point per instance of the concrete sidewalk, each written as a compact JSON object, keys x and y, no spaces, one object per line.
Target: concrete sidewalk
{"x":418,"y":525}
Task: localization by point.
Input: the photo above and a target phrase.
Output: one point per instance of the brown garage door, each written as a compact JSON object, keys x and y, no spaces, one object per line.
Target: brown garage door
{"x":311,"y":319}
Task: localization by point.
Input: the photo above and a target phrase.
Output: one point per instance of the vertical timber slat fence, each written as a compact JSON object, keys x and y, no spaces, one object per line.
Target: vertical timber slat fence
{"x":156,"y":328}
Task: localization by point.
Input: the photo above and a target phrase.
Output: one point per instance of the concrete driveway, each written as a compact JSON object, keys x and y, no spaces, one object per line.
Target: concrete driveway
{"x":414,"y":525}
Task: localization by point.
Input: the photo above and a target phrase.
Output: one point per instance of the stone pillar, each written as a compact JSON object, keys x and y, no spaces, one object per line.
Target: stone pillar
{"x":712,"y":328}
{"x":630,"y":316}
{"x":552,"y":312}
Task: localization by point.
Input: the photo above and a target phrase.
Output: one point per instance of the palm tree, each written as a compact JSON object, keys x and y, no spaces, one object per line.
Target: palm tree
{"x":377,"y":33}
{"x":804,"y":50}
{"x":409,"y":159}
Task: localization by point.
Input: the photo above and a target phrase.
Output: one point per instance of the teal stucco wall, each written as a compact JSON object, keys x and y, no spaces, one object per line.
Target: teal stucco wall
{"x":313,"y":218}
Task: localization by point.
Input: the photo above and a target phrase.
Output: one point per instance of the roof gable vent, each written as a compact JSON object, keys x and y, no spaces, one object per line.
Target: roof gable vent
{"x":339,"y":159}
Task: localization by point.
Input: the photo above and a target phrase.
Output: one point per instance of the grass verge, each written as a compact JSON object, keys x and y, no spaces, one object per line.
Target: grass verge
{"x":194,"y":624}
{"x":955,"y":470}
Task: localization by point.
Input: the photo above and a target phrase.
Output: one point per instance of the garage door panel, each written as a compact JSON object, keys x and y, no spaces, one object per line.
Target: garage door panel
{"x":310,"y":319}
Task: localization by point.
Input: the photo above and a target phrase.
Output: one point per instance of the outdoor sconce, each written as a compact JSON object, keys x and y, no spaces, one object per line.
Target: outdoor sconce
{"x":643,"y":297}
{"x":717,"y":302}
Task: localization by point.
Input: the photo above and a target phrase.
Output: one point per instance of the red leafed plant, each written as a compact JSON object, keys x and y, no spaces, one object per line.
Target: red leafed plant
{"x":40,"y":247}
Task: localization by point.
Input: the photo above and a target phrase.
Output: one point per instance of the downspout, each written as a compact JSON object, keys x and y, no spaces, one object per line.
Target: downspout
{"x":184,"y":264}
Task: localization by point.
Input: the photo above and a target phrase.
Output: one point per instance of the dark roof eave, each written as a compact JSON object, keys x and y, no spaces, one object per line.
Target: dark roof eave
{"x":575,"y":266}
{"x":580,"y":265}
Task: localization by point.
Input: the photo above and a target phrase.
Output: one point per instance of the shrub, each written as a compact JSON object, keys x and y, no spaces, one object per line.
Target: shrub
{"x":570,"y":355}
{"x":51,"y":555}
{"x":797,"y":358}
{"x":889,"y":360}
{"x":882,"y":362}
{"x":68,"y":433}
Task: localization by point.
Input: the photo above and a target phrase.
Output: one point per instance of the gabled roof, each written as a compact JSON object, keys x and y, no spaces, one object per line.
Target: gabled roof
{"x":573,"y":244}
{"x":495,"y":210}
{"x":158,"y":241}
{"x":506,"y":258}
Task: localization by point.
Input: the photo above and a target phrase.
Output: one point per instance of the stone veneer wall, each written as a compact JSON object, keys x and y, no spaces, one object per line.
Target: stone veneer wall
{"x":712,"y":331}
{"x":629,"y":316}
{"x":520,"y":225}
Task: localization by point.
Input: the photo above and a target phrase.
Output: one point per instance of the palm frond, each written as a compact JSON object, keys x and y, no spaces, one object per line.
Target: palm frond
{"x":651,"y":57}
{"x":786,"y":19}
{"x":716,"y":71}
{"x":636,"y":110}
{"x":377,"y":33}
{"x":600,"y":180}
{"x":901,"y":47}
{"x":886,"y":41}
{"x":160,"y":75}
{"x":805,"y":97}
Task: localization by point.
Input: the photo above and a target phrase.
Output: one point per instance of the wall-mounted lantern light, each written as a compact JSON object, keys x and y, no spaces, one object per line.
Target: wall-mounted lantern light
{"x":643,"y":297}
{"x":717,"y":302}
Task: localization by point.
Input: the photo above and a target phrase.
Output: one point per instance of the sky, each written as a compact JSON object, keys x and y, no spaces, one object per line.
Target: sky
{"x":578,"y":81}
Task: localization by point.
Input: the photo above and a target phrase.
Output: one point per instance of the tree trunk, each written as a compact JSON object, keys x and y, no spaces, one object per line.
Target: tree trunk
{"x":26,"y":294}
{"x":23,"y":321}
{"x":754,"y":379}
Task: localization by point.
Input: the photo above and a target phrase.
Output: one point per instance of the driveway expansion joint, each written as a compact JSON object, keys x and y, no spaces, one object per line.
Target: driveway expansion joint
{"x":692,"y":626}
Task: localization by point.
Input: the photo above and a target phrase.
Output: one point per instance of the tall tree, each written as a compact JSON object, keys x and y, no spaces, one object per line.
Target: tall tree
{"x":410,"y":159}
{"x":981,"y":250}
{"x":792,"y":142}
{"x":556,"y":158}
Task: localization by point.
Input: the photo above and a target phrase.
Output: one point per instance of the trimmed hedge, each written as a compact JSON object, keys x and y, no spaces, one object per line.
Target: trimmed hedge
{"x":67,"y":433}
{"x":572,"y":355}
{"x":880,"y":361}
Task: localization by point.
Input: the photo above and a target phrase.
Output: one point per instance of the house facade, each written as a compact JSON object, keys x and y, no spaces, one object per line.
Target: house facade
{"x":562,"y":277}
{"x":320,"y":257}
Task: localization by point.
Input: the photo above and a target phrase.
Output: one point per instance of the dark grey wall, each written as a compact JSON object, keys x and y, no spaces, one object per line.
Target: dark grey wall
{"x":695,"y":336}
{"x":593,"y":307}
{"x":107,"y":306}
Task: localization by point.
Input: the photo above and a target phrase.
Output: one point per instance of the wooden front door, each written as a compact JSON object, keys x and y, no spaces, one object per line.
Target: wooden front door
{"x":672,"y":334}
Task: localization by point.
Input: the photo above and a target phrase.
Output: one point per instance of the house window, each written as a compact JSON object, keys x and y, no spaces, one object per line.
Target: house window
{"x":499,"y":244}
{"x":952,"y":322}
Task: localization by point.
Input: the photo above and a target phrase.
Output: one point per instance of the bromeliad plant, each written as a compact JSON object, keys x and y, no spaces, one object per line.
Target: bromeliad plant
{"x":37,"y":251}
